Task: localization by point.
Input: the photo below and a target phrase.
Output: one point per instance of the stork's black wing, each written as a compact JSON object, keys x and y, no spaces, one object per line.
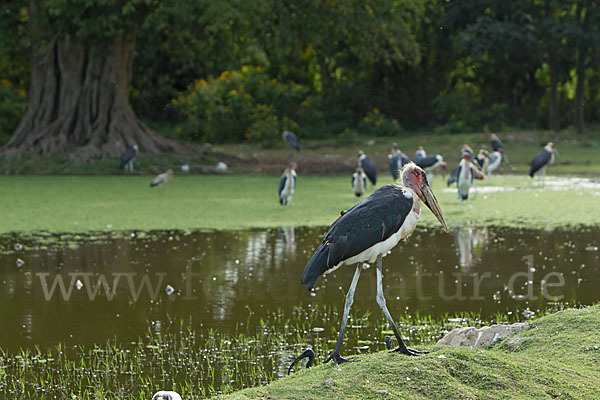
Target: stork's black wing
{"x":369,"y":168}
{"x":480,"y":161}
{"x":292,"y":139}
{"x":393,"y":162}
{"x":371,"y":221}
{"x":127,"y":156}
{"x":540,"y":161}
{"x":496,"y":144}
{"x":282,"y":182}
{"x":427,"y":161}
{"x":454,"y":175}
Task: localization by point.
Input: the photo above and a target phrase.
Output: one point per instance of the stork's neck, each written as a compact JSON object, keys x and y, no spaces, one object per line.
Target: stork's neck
{"x":416,"y":206}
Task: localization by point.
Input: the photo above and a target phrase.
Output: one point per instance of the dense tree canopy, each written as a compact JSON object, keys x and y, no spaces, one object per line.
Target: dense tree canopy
{"x":236,"y":70}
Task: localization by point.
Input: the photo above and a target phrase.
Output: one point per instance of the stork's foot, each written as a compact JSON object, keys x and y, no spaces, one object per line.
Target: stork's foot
{"x":409,"y":352}
{"x":338,"y":359}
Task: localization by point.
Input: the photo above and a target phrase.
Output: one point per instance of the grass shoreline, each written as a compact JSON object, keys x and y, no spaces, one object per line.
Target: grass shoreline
{"x":558,"y":357}
{"x":77,"y":204}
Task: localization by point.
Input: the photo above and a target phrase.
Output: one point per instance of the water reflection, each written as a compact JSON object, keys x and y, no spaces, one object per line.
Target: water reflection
{"x":221,"y":278}
{"x":469,"y":243}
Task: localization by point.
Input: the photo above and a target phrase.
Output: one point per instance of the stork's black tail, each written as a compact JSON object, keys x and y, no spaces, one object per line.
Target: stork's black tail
{"x":316,"y":266}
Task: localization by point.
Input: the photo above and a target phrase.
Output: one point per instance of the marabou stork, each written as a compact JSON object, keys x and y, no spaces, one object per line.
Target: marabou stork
{"x":466,"y":150}
{"x":366,"y":232}
{"x":419,"y":155}
{"x":292,"y":140}
{"x":287,"y":184}
{"x":498,"y":146}
{"x":359,"y":182}
{"x":544,"y":157}
{"x":430,"y":163}
{"x":466,"y":172}
{"x":494,"y":160}
{"x":166,"y":395}
{"x":127,"y":158}
{"x":162,"y":179}
{"x":397,"y":160}
{"x":483,"y":159}
{"x":368,"y":166}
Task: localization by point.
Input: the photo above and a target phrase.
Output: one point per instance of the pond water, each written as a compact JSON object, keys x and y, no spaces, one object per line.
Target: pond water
{"x":219,"y":278}
{"x":222,"y":281}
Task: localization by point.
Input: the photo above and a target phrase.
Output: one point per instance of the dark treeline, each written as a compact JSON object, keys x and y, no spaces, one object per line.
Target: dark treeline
{"x":231,"y":70}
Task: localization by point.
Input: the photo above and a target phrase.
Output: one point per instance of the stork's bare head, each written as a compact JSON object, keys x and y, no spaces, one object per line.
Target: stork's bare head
{"x":416,"y":179}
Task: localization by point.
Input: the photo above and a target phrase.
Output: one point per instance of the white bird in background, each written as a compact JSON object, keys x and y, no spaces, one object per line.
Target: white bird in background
{"x":359,"y":182}
{"x":162,"y":179}
{"x":166,"y":395}
{"x":287,"y":184}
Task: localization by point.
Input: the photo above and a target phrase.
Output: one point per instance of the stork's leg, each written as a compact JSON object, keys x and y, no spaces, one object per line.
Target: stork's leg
{"x":544,"y":176}
{"x":381,"y":301}
{"x":335,"y":356}
{"x":131,"y":166}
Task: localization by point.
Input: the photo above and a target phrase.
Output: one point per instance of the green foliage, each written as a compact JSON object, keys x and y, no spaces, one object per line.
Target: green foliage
{"x":13,"y":104}
{"x":463,"y":113}
{"x":458,"y":66}
{"x":239,"y":105}
{"x":377,"y":124}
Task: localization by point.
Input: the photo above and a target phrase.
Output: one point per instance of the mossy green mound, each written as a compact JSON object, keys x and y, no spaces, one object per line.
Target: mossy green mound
{"x":558,"y":358}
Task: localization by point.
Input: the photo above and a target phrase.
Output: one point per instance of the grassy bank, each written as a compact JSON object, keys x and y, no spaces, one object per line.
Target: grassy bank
{"x":579,"y":154}
{"x":559,"y":357}
{"x":116,"y":203}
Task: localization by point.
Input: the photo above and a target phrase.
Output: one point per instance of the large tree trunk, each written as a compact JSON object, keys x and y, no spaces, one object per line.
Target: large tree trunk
{"x":79,"y":103}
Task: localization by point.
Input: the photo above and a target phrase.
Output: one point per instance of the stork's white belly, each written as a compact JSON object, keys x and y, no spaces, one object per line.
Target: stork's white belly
{"x":463,"y":186}
{"x":370,"y":255}
{"x":287,"y":191}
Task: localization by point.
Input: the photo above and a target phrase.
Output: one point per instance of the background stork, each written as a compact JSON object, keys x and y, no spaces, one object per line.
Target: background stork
{"x":430,"y":163}
{"x":287,"y":184}
{"x":366,"y":232}
{"x":368,"y":166}
{"x":466,"y":172}
{"x":359,"y":182}
{"x":397,"y":160}
{"x":498,"y":146}
{"x":483,"y":159}
{"x":465,"y":151}
{"x":494,"y":161}
{"x":127,"y":158}
{"x":419,"y":155}
{"x":161,"y":179}
{"x":292,"y":140}
{"x":543,"y":158}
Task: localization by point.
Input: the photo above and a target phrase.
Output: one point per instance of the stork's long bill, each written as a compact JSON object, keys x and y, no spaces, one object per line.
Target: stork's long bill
{"x":416,"y":179}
